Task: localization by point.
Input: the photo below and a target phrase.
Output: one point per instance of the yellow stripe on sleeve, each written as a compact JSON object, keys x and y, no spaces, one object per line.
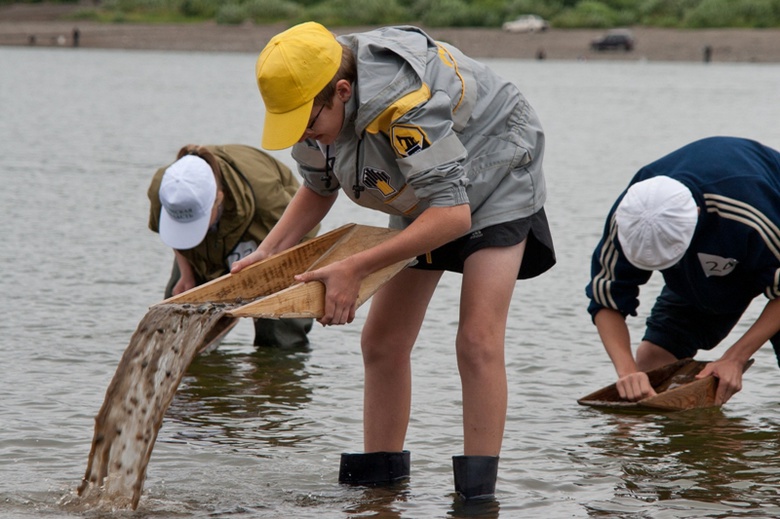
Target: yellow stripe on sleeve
{"x":396,"y":110}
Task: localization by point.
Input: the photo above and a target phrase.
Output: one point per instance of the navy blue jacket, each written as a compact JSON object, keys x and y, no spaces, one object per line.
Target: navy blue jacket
{"x":735,"y":252}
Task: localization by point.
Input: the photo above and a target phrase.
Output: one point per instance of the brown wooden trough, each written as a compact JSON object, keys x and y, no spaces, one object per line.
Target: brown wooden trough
{"x":675,"y":384}
{"x":268,"y":289}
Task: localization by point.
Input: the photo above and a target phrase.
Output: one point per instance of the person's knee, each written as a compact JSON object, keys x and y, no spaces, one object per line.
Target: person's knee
{"x":650,"y":356}
{"x":479,"y":349}
{"x":388,"y":349}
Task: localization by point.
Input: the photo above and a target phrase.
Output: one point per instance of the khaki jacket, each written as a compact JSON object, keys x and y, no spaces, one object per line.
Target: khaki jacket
{"x":257,"y":190}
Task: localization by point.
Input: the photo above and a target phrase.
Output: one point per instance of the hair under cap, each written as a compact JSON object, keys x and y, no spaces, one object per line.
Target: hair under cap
{"x":187,"y":193}
{"x":655,"y":222}
{"x":291,"y":70}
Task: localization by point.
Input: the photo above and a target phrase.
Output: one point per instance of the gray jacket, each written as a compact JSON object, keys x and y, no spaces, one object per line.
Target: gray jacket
{"x":427,"y":126}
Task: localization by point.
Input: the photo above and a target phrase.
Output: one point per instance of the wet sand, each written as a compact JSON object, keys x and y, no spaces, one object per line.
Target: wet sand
{"x":44,"y":25}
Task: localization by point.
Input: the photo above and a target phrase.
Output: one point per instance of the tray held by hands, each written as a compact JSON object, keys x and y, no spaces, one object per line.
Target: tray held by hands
{"x":676,"y":387}
{"x":267,"y":289}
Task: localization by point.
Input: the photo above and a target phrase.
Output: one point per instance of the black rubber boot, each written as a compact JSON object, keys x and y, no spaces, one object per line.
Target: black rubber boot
{"x":374,"y":468}
{"x":475,"y":476}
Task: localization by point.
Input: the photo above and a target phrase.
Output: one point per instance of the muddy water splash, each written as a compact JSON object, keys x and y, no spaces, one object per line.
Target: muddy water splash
{"x":166,"y":341}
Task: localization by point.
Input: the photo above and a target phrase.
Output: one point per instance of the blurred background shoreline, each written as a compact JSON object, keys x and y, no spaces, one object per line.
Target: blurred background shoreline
{"x":49,"y":25}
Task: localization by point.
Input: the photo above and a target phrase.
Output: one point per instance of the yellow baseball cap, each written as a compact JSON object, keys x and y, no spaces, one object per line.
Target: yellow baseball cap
{"x":292,"y":69}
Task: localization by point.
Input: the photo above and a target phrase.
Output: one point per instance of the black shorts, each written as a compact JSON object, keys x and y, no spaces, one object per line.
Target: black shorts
{"x":682,"y":329}
{"x":539,"y":253}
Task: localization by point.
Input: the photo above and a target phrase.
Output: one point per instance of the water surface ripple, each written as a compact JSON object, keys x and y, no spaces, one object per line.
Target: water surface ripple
{"x":258,"y":433}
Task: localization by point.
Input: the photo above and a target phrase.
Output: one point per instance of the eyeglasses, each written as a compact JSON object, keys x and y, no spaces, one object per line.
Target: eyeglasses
{"x":314,"y":121}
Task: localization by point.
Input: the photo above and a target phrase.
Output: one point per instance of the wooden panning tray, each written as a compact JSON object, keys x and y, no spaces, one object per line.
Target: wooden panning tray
{"x":268,"y":288}
{"x":675,"y":384}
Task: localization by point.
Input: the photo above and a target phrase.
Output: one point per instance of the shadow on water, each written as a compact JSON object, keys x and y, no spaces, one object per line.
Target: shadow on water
{"x":392,"y":502}
{"x":379,"y":501}
{"x":481,"y":508}
{"x":243,"y":399}
{"x":693,"y":462}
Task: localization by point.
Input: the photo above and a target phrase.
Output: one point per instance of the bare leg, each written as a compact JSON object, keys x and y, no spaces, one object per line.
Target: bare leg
{"x":393,"y":322}
{"x":650,"y":356}
{"x":488,"y":282}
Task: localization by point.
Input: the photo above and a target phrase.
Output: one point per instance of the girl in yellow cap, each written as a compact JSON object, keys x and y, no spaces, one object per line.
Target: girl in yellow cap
{"x":453,"y":153}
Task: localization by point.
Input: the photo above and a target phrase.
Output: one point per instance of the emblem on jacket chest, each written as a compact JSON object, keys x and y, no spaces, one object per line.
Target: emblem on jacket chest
{"x":378,"y":180}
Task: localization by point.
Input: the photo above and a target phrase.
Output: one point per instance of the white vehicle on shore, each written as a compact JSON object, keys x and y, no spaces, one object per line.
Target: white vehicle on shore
{"x":527,"y":23}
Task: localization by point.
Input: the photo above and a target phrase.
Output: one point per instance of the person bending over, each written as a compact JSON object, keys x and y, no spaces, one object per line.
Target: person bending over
{"x":707,"y":216}
{"x":453,"y":153}
{"x":214,"y":205}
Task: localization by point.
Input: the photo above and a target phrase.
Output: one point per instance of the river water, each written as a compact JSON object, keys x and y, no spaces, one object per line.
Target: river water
{"x":258,"y":433}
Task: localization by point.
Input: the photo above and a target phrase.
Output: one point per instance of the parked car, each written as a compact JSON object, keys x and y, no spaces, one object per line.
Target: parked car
{"x":614,"y":40}
{"x":526,"y":23}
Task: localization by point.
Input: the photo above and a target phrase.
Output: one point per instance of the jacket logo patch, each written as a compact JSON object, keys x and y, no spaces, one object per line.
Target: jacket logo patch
{"x":716,"y":265}
{"x":378,"y":180}
{"x":408,"y":140}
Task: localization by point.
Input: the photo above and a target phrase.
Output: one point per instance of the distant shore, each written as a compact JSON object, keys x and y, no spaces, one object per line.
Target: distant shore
{"x":43,"y":25}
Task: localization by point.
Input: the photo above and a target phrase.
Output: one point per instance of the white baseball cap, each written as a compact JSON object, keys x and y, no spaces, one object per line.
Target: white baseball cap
{"x":187,"y":193}
{"x":655,"y":222}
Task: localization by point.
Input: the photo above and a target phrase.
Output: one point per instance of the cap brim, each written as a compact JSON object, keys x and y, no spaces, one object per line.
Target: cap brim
{"x":183,"y":236}
{"x":282,"y":130}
